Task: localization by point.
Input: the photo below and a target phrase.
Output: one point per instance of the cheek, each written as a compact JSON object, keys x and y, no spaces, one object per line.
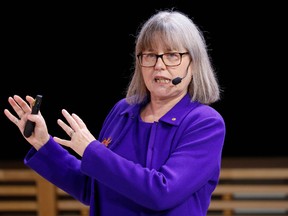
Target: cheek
{"x":147,"y":76}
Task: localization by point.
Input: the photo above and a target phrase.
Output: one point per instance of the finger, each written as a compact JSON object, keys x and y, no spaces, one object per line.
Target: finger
{"x":16,"y":107}
{"x":30,"y":99}
{"x":11,"y":117}
{"x":73,"y":124}
{"x":23,"y":104}
{"x":66,"y":127}
{"x":62,"y":141}
{"x":79,"y":121}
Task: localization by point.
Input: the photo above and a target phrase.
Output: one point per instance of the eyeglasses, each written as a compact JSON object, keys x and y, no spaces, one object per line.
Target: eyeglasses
{"x":169,"y":59}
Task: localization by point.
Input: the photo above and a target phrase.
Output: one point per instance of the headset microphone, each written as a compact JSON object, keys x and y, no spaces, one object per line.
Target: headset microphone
{"x":176,"y":80}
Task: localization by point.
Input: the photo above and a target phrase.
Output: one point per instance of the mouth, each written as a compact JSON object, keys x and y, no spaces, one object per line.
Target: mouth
{"x":162,"y":80}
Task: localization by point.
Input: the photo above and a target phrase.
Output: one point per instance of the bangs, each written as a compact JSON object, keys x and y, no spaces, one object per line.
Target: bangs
{"x":160,"y":36}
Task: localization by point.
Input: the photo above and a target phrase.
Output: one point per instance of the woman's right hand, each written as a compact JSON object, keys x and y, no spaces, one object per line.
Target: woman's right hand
{"x":40,"y":136}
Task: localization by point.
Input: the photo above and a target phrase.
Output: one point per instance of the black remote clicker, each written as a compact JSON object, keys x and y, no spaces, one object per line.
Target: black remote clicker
{"x":29,"y":127}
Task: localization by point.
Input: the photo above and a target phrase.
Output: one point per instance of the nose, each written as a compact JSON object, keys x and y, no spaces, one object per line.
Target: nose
{"x":160,"y":63}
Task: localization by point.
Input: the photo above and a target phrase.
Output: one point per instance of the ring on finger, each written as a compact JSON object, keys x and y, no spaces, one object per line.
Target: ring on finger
{"x":16,"y":121}
{"x":71,"y":133}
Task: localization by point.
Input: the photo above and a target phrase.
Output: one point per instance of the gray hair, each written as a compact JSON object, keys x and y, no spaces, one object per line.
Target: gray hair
{"x":177,"y":31}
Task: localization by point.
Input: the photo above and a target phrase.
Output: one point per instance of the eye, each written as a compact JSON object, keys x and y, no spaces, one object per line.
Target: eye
{"x":172,"y":56}
{"x":150,"y":55}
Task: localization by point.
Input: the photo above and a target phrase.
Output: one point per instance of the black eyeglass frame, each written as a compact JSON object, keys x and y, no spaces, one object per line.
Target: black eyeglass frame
{"x":139,"y":56}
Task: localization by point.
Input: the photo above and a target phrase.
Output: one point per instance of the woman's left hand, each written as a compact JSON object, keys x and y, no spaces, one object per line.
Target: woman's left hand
{"x":78,"y":132}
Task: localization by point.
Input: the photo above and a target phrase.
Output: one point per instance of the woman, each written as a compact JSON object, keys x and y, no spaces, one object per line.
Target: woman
{"x":159,"y":150}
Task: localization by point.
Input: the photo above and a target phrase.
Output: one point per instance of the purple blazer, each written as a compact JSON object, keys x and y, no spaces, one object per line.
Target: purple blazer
{"x":168,"y":168}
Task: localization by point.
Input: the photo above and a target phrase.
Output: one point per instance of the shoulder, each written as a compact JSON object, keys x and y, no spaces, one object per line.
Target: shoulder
{"x":189,"y":112}
{"x":206,"y":111}
{"x":122,"y":107}
{"x":205,"y":115}
{"x":121,"y":104}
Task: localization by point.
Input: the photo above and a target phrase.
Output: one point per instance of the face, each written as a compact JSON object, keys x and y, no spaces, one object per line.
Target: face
{"x":158,"y":78}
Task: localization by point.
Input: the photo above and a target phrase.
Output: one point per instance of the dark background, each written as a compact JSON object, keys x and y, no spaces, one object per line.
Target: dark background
{"x":79,"y":57}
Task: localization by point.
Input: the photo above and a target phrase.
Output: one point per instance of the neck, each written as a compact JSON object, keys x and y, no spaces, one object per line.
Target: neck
{"x":148,"y":114}
{"x":155,"y":109}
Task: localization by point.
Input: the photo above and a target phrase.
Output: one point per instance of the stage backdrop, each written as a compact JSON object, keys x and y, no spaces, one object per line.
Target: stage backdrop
{"x":80,"y":57}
